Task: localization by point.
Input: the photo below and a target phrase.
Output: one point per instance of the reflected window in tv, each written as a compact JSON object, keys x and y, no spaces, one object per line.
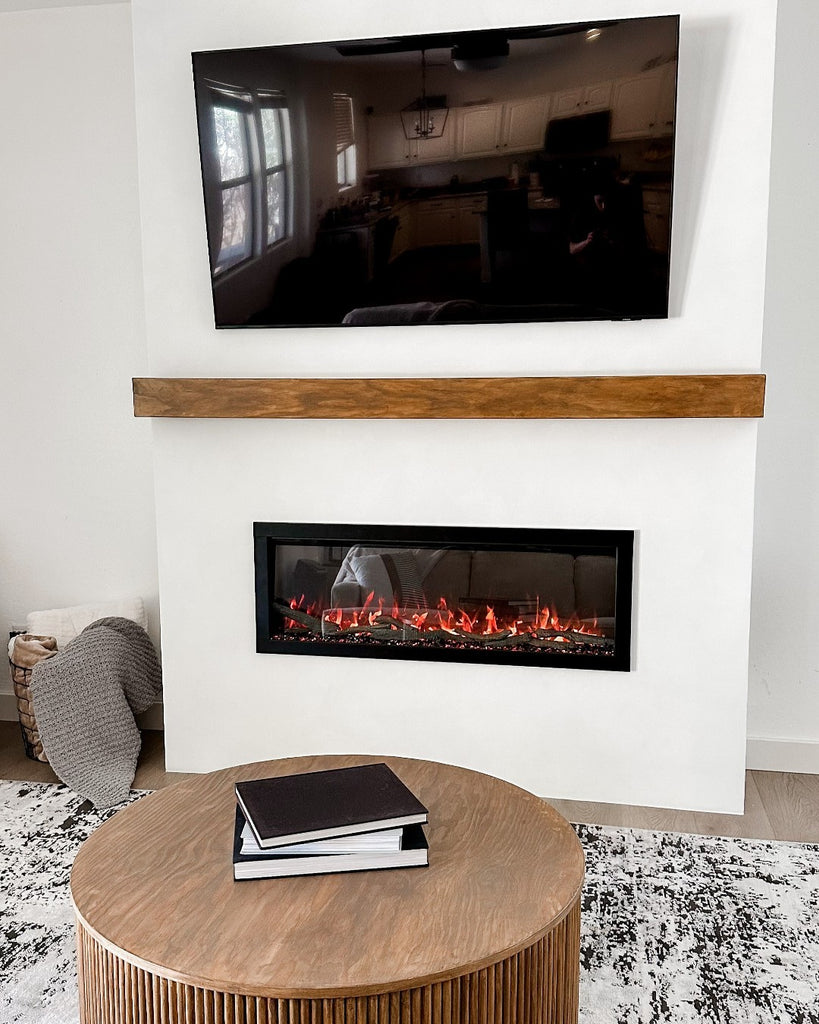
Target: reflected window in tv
{"x":246,"y":170}
{"x":543,"y":193}
{"x":345,"y":140}
{"x":277,"y":172}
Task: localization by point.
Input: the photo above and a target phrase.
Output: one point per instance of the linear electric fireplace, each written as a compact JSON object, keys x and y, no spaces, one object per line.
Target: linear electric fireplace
{"x":432,"y":593}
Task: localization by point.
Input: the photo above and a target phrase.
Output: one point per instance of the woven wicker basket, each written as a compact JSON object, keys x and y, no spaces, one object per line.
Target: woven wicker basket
{"x":21,"y":680}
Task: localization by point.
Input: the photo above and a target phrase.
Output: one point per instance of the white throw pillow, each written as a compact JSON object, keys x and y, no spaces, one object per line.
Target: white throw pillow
{"x":66,"y":623}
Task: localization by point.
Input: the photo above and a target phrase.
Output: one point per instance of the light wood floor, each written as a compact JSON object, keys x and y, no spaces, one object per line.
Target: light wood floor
{"x":150,"y":772}
{"x":778,"y":805}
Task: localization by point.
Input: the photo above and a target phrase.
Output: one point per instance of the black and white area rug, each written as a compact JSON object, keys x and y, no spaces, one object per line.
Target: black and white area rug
{"x":676,"y":929}
{"x":41,"y":829}
{"x":681,"y":928}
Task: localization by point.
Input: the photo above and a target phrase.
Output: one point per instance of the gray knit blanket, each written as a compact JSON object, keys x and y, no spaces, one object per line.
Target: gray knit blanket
{"x":85,"y":699}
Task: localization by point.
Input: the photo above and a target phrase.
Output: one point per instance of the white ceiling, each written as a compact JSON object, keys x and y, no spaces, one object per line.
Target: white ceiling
{"x":7,"y":6}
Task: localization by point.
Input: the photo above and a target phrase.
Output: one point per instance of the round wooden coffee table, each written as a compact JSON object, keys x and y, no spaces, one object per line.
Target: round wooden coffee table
{"x":489,"y":932}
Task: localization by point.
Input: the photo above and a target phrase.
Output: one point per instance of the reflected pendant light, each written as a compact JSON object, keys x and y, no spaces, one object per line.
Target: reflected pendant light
{"x":425,"y":117}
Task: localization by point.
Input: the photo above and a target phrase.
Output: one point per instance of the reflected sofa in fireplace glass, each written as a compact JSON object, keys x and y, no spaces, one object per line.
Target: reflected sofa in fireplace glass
{"x":580,"y":587}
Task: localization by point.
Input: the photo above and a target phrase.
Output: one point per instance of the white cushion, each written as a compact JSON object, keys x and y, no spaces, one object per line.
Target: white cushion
{"x":66,"y":623}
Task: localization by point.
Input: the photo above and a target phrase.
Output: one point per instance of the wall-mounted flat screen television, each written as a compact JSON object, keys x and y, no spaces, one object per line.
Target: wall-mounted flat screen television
{"x":491,"y":175}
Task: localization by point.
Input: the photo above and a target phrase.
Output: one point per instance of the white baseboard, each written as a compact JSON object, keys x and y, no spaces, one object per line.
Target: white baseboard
{"x":150,"y":719}
{"x":766,"y":754}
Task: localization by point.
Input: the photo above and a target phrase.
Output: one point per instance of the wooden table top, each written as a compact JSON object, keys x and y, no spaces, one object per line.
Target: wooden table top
{"x":155,"y":884}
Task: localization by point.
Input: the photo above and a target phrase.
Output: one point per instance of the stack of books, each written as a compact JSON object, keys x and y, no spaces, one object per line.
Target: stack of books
{"x":314,"y":823}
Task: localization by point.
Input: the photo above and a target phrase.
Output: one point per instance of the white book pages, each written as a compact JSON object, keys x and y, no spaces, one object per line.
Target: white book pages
{"x":383,"y":841}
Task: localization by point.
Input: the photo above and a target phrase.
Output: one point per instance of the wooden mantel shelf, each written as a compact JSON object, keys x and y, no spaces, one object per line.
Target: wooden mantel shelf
{"x":644,"y":397}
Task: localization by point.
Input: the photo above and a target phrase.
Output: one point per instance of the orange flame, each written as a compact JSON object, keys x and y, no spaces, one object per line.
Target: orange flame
{"x":443,"y":618}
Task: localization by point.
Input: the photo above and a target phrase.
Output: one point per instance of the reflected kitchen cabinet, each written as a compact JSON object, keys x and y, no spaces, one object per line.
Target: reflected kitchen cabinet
{"x":478,"y":130}
{"x":388,"y":145}
{"x":432,"y":151}
{"x":405,"y":231}
{"x":643,"y":105}
{"x":436,"y":222}
{"x":581,"y":100}
{"x":450,"y":220}
{"x":524,"y":123}
{"x":516,"y":126}
{"x":469,"y":210}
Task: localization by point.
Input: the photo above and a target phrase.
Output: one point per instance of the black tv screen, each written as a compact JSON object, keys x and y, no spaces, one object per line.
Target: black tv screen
{"x":480,"y":176}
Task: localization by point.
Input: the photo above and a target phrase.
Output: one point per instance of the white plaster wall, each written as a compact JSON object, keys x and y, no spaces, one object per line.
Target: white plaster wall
{"x":672,"y":731}
{"x":76,"y":502}
{"x":783,"y":712}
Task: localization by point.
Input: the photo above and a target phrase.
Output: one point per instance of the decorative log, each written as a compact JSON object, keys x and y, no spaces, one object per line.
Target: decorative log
{"x":553,"y":643}
{"x":589,"y":638}
{"x":310,"y":621}
{"x":385,"y":634}
{"x":548,"y":634}
{"x":376,"y":632}
{"x":387,"y":627}
{"x":433,"y":636}
{"x":513,"y":640}
{"x":483,"y":638}
{"x":390,"y":620}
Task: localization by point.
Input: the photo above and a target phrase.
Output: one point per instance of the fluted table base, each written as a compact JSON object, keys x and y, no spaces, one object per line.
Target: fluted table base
{"x":538,"y":985}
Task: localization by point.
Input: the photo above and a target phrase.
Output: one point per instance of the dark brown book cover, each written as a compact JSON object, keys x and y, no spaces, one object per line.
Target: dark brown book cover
{"x":338,"y":801}
{"x":279,"y":863}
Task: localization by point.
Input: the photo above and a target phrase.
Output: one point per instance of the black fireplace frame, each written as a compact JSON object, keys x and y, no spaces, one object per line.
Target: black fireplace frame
{"x":267,"y":535}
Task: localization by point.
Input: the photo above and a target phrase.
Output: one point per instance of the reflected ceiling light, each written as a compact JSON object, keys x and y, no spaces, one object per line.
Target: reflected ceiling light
{"x":592,"y":34}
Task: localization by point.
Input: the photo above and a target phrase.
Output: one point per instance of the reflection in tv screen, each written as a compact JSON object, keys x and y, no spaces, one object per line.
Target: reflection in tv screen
{"x":505,"y":175}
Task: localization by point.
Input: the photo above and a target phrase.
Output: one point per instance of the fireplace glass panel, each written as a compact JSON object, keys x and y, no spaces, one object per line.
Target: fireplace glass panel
{"x":544,"y":597}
